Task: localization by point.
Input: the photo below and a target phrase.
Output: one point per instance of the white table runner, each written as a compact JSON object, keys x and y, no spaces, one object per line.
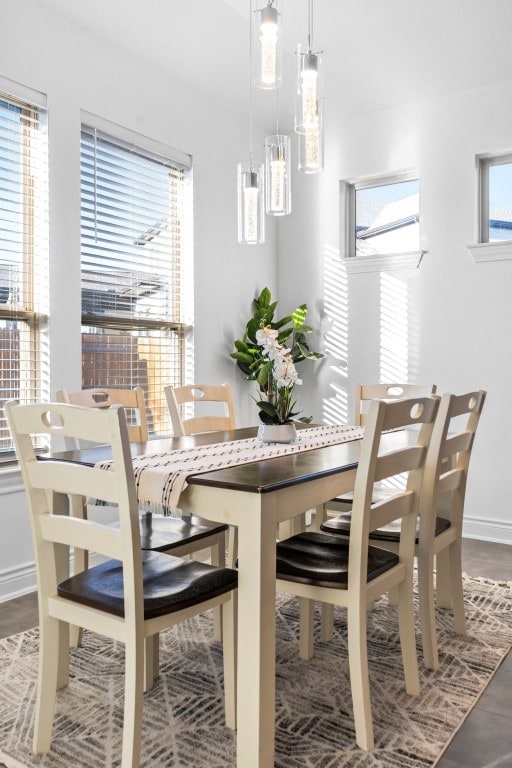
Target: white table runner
{"x":162,"y":477}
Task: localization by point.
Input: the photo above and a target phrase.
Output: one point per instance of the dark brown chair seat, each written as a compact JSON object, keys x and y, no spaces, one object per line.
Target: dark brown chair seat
{"x":163,"y":534}
{"x":169,"y":584}
{"x":320,"y":559}
{"x":341,"y":525}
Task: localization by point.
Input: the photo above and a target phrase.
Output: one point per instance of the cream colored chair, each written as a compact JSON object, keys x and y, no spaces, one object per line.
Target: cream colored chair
{"x":439,"y":527}
{"x":352,"y":574}
{"x":177,"y":397}
{"x":130,"y":597}
{"x":179,"y":536}
{"x":364,"y":394}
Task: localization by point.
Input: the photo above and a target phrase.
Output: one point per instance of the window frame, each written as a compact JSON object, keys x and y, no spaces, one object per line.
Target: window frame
{"x":124,"y":138}
{"x":373,"y":262}
{"x":31,"y":309}
{"x":482,"y":250}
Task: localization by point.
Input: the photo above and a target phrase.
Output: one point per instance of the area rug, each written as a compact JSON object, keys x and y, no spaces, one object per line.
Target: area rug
{"x":183,"y":714}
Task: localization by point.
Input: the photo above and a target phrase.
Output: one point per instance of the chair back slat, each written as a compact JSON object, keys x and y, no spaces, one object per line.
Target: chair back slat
{"x":365,"y":393}
{"x":132,"y":400}
{"x":177,"y":397}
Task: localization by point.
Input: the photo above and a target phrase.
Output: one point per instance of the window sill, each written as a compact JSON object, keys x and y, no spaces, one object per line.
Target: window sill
{"x":482,"y":252}
{"x":388,"y":262}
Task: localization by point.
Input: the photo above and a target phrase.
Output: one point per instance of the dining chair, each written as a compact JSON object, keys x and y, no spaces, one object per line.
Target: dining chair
{"x":215,"y":396}
{"x":178,"y":397}
{"x":364,"y":394}
{"x":439,"y":526}
{"x":180,"y":536}
{"x":352,"y":574}
{"x":131,"y":596}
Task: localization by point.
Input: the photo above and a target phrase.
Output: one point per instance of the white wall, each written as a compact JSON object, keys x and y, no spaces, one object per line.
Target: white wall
{"x":452,"y":316}
{"x":40,"y":50}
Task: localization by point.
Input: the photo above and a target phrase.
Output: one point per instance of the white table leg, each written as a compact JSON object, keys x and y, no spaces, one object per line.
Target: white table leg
{"x":256,"y":633}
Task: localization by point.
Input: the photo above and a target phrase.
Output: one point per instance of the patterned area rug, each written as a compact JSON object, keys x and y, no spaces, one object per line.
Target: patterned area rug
{"x":183,"y":715}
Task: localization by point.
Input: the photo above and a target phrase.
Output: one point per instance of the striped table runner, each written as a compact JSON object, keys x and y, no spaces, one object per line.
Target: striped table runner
{"x":160,"y":478}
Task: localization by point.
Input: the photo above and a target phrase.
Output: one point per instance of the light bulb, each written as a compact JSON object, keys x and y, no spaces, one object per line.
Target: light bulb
{"x":268,"y":42}
{"x":277,"y":173}
{"x":267,"y":72}
{"x":250,"y":208}
{"x":309,"y":98}
{"x":312,"y":150}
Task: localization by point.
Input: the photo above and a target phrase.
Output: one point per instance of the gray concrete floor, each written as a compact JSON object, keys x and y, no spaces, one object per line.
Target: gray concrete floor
{"x":485,"y":739}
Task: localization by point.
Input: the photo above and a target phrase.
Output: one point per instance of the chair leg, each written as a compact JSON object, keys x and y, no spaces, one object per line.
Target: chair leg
{"x":133,"y":701}
{"x":229,"y":624}
{"x":427,"y":610}
{"x":359,"y":682}
{"x":218,"y":557}
{"x":151,"y":661}
{"x":459,"y":614}
{"x":49,"y":662}
{"x":327,"y":627}
{"x":393,"y":596}
{"x":408,"y":636}
{"x":443,"y":581}
{"x":307,"y":609}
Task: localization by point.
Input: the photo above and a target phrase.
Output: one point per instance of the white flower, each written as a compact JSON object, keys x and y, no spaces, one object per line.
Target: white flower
{"x":267,"y":337}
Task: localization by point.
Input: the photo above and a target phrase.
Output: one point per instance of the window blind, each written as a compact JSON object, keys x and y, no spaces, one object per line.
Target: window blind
{"x":23,"y":257}
{"x":134,"y":217}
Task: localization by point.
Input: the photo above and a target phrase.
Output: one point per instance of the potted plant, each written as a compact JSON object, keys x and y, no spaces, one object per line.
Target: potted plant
{"x":268,"y":353}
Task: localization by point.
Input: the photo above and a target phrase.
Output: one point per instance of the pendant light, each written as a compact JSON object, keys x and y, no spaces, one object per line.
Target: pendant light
{"x":309,"y":105}
{"x":268,"y":45}
{"x":277,"y":172}
{"x":251,"y":219}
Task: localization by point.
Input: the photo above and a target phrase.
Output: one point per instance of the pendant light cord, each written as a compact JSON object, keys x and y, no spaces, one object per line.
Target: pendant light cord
{"x":250,"y":85}
{"x":310,"y":25}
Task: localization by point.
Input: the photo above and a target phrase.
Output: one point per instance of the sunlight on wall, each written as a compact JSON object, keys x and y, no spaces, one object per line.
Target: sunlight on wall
{"x":335,"y":336}
{"x":394,"y":329}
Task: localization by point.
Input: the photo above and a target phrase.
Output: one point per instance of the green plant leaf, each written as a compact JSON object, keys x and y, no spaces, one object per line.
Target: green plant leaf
{"x":264,"y":374}
{"x":264,"y":298}
{"x":242,"y":357}
{"x":299,"y":316}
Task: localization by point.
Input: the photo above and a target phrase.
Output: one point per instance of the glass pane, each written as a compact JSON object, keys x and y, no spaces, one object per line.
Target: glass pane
{"x":387,"y":218}
{"x":128,"y":359}
{"x":500,"y":202}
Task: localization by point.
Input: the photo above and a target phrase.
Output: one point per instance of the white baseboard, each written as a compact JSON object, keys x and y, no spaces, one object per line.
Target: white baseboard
{"x":15,"y":582}
{"x":499,"y":531}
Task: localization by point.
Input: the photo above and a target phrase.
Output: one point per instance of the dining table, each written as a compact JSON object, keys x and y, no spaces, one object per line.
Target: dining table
{"x":255,"y":497}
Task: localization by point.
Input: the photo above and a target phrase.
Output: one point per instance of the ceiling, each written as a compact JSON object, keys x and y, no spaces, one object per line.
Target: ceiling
{"x":377,"y":53}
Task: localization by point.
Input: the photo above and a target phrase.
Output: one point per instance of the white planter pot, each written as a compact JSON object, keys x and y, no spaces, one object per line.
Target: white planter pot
{"x":277,"y":433}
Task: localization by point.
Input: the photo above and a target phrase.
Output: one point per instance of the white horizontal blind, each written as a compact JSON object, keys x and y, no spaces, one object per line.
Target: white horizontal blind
{"x":133,"y":222}
{"x":23,"y":257}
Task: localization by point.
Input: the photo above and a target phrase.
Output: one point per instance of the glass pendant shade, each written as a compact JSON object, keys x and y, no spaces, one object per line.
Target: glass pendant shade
{"x":277,"y":175}
{"x":311,"y":145}
{"x":267,"y":46}
{"x":308,"y":94}
{"x":251,"y":219}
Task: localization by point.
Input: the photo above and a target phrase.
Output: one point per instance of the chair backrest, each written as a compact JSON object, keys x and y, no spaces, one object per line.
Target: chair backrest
{"x":132,"y":400}
{"x":177,"y":397}
{"x":49,"y":482}
{"x":365,"y":393}
{"x":449,"y":456}
{"x":381,"y":459}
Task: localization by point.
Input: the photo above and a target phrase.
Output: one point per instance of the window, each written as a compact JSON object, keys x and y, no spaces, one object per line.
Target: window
{"x":23,"y":257}
{"x":383,"y":216}
{"x":496,"y":199}
{"x":135,"y":224}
